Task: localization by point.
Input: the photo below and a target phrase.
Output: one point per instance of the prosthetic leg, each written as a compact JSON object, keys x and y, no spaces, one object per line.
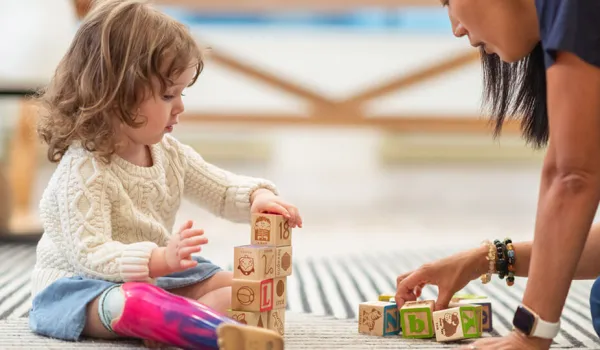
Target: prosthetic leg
{"x":148,"y":312}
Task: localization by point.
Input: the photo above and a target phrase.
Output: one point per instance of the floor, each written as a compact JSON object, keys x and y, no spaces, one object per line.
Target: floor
{"x":365,"y":223}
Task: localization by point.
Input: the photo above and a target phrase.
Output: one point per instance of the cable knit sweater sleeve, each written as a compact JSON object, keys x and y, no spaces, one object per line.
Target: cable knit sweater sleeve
{"x":223,"y":193}
{"x":85,"y":215}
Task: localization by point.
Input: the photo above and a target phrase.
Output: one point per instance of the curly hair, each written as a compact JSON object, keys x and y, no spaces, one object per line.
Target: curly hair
{"x":120,"y":47}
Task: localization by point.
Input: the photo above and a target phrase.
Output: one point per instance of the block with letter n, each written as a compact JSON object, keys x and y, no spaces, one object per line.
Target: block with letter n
{"x":378,"y":318}
{"x":416,"y":319}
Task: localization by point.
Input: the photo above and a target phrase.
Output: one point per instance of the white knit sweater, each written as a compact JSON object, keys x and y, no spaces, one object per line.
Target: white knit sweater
{"x":102,"y":221}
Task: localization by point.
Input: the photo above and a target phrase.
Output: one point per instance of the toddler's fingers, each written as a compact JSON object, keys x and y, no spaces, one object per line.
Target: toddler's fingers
{"x":296,"y":216}
{"x":191,"y":233}
{"x":194,"y":241}
{"x":278,"y":209}
{"x":187,"y":251}
{"x":188,"y":264}
{"x":187,"y":225}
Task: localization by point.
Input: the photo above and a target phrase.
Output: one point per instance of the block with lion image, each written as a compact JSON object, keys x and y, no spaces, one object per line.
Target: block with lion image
{"x":378,"y":318}
{"x":460,"y":322}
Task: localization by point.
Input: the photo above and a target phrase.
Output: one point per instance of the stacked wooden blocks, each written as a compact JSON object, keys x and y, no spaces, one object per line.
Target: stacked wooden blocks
{"x":466,"y":317}
{"x":259,"y":291}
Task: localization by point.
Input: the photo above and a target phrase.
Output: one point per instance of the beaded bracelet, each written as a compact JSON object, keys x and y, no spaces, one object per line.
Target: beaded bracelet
{"x":501,"y":262}
{"x":491,"y":257}
{"x":510,"y":254}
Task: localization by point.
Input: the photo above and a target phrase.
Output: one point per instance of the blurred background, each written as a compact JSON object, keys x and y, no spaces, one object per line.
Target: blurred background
{"x":365,"y":113}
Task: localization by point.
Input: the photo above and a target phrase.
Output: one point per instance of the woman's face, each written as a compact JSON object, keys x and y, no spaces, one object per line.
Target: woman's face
{"x":508,"y":28}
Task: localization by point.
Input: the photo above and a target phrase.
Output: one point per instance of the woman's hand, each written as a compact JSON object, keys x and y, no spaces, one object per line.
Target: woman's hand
{"x":512,"y":341}
{"x":182,"y":245}
{"x":265,"y":201}
{"x":450,"y":275}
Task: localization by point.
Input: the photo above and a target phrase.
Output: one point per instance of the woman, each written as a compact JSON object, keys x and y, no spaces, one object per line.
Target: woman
{"x":541,"y":61}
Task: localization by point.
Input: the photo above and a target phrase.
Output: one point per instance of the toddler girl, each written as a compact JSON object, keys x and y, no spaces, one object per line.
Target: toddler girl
{"x":108,"y":264}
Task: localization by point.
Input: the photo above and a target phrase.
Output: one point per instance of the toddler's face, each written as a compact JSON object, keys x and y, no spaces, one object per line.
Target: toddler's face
{"x":161,"y":111}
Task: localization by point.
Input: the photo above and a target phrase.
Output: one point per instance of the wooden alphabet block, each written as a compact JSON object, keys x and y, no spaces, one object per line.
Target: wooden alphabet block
{"x":280,"y":295}
{"x":277,"y":320}
{"x":254,"y":262}
{"x":416,"y":319}
{"x":387,"y":297}
{"x":456,"y":323}
{"x":270,"y":229}
{"x":258,"y":319}
{"x":486,"y":308}
{"x":283,"y":261}
{"x":256,"y":296}
{"x":378,"y":318}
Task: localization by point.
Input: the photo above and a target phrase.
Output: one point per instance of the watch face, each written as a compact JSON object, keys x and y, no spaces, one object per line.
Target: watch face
{"x":524,"y":320}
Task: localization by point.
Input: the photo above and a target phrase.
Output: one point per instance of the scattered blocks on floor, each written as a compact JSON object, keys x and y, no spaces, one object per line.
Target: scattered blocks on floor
{"x":467,"y":316}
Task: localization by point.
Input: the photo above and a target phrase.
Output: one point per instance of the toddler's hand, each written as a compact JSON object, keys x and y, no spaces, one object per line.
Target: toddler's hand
{"x":182,"y":245}
{"x":265,"y":201}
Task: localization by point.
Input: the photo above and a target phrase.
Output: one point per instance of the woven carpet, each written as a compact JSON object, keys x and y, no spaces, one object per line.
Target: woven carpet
{"x":323,"y":298}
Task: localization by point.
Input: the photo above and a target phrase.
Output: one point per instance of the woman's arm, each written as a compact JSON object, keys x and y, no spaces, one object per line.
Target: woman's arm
{"x":587,"y":268}
{"x":570,"y":184}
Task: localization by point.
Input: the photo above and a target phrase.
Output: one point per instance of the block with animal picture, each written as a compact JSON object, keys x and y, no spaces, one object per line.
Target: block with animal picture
{"x":455,"y":323}
{"x":254,"y":262}
{"x":283,"y":261}
{"x":416,"y":319}
{"x":250,"y":295}
{"x":486,"y":308}
{"x":378,"y":318}
{"x":277,"y":320}
{"x":271,"y":229}
{"x":258,"y":319}
{"x":279,"y":293}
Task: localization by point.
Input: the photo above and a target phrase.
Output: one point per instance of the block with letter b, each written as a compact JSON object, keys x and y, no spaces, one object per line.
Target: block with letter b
{"x":254,"y":262}
{"x":378,"y":318}
{"x":256,"y":296}
{"x":416,"y":319}
{"x":270,"y":229}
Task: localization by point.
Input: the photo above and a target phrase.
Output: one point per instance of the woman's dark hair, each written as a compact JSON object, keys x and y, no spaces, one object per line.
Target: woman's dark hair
{"x":517,"y":90}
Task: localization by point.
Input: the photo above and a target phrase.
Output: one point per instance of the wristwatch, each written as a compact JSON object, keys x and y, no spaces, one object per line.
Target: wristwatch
{"x":529,"y":323}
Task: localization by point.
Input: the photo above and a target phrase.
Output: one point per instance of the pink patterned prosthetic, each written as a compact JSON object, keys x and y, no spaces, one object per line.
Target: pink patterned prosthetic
{"x":154,"y":314}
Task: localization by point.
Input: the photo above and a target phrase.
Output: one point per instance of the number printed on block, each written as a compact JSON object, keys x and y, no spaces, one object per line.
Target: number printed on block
{"x":270,"y":229}
{"x":254,"y":262}
{"x":378,"y":318}
{"x":254,"y":296}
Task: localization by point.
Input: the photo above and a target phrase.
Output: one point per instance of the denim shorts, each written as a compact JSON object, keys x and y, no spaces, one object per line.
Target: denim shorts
{"x":59,"y":311}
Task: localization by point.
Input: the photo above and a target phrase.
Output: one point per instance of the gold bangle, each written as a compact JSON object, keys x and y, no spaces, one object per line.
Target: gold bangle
{"x":491,"y":257}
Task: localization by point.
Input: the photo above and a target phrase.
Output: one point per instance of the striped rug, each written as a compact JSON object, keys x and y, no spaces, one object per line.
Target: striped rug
{"x":335,"y":286}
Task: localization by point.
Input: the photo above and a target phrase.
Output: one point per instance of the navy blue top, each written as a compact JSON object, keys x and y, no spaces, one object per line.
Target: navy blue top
{"x":570,"y":25}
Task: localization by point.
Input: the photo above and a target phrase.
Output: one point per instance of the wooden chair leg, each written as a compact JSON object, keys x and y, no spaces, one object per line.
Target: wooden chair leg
{"x":22,"y":168}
